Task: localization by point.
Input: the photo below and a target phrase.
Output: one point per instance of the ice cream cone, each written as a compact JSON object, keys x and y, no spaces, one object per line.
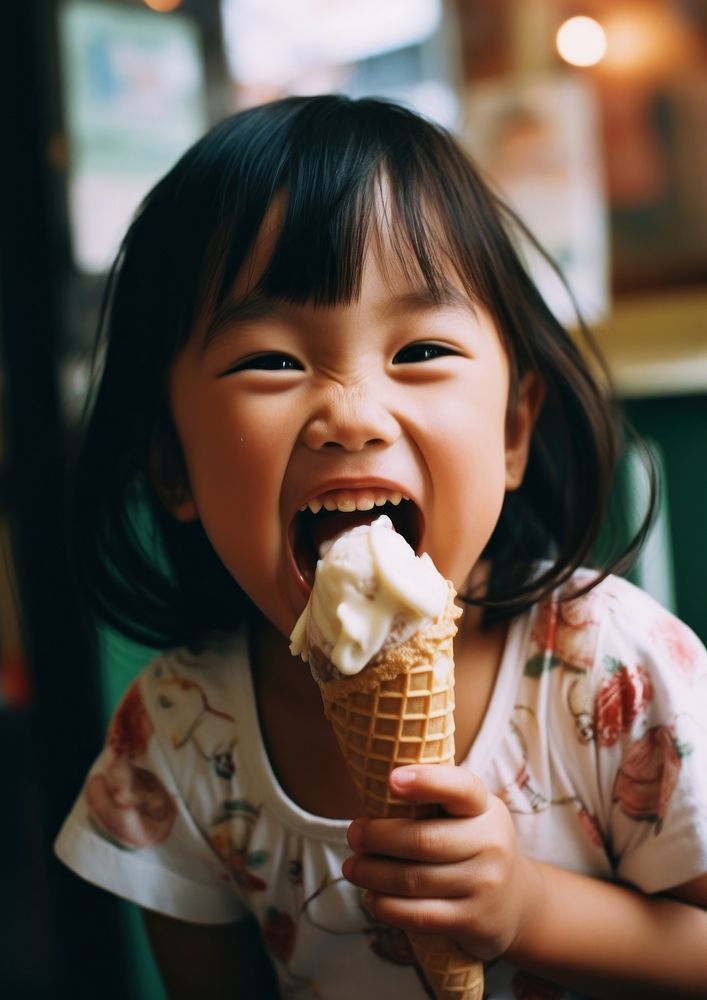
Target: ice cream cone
{"x":400,"y":710}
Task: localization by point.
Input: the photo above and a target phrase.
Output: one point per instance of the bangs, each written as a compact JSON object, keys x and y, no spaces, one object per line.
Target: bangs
{"x":343,"y":178}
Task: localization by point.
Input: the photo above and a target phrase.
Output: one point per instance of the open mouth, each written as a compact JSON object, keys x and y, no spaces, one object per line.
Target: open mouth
{"x":309,"y":529}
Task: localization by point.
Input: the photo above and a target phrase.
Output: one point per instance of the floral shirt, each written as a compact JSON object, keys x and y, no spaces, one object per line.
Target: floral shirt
{"x":595,"y":737}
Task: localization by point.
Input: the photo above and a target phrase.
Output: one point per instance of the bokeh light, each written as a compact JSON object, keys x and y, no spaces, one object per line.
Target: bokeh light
{"x":581,"y":41}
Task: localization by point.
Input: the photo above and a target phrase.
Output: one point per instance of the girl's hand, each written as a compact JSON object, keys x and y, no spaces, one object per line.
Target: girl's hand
{"x":460,"y":874}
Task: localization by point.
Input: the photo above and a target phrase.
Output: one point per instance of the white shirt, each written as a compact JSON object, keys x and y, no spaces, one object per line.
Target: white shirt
{"x":595,"y":737}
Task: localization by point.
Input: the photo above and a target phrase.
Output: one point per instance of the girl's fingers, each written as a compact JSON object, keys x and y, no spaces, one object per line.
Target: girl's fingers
{"x":459,"y":792}
{"x":399,"y":878}
{"x":450,"y":838}
{"x":441,"y":841}
{"x":431,"y":916}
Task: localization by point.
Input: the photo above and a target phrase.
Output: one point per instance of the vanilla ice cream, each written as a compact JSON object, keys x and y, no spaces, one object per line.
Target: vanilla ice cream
{"x":370,"y":590}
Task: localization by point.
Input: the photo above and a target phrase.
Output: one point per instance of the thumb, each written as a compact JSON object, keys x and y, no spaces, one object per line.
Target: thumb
{"x":459,"y":792}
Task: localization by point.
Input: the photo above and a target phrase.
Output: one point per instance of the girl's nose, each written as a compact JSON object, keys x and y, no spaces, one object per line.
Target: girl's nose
{"x":351,"y":418}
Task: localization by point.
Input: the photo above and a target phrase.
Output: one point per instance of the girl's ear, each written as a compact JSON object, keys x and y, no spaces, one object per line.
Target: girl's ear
{"x":169,"y":477}
{"x":520,"y":425}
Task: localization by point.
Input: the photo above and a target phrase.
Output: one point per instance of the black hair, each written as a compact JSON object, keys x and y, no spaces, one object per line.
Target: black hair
{"x":158,"y":580}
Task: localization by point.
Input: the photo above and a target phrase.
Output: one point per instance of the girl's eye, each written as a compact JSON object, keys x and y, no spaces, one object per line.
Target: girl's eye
{"x":271,"y":362}
{"x":414,"y":353}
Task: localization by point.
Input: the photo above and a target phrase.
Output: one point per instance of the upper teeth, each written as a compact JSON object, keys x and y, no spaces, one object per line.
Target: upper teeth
{"x":348,"y":503}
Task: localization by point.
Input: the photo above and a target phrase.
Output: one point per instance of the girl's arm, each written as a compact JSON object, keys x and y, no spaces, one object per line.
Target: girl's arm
{"x":606,"y":940}
{"x":463,"y":875}
{"x":221,"y":962}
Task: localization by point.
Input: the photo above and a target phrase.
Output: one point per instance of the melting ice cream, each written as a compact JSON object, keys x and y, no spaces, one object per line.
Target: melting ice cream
{"x":369,"y":586}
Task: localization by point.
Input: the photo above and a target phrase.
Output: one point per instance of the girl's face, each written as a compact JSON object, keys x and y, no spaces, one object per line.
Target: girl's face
{"x":298,"y":421}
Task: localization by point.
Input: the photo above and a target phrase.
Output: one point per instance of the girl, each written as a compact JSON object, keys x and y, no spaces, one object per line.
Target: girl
{"x":319,"y":314}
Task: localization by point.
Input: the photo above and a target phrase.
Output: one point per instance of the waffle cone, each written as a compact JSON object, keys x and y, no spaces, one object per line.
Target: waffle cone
{"x":400,"y":710}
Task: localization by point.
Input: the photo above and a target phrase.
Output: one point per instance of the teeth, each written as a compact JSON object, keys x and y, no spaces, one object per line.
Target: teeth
{"x":348,"y":504}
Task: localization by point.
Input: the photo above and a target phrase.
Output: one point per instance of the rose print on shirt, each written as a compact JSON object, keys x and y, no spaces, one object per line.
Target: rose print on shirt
{"x":624,"y":694}
{"x":681,"y":646}
{"x":131,"y":728}
{"x":129,"y":805}
{"x":565,"y":634}
{"x":648,"y":775}
{"x":126,"y":803}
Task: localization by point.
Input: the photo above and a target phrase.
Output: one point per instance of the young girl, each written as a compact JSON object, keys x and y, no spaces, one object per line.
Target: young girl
{"x":318,"y":316}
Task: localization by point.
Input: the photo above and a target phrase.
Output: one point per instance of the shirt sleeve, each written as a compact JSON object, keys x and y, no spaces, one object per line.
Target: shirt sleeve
{"x":650,"y":727}
{"x":131,"y":830}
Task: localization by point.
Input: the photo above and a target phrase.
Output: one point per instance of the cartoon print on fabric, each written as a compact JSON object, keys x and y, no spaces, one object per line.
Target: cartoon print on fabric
{"x":565,"y":636}
{"x":532,"y":798}
{"x":390,"y":944}
{"x":127,"y":804}
{"x":231,"y":829}
{"x":561,"y":651}
{"x":281,"y":925}
{"x":279,"y":928}
{"x":211,"y":732}
{"x":192,"y":719}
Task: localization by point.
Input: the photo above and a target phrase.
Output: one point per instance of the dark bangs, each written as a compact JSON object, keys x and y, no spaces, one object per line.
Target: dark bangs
{"x":343,"y":172}
{"x":338,"y":175}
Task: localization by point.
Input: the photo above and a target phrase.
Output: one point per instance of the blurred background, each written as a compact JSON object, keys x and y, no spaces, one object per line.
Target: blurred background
{"x":592,"y":119}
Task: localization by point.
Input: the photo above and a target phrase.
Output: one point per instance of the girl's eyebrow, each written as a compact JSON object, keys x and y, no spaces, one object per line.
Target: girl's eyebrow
{"x":255,"y":306}
{"x":426,"y":299}
{"x":252,"y":307}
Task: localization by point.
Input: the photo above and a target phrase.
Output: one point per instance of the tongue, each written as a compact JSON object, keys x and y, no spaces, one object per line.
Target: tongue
{"x":327,"y":524}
